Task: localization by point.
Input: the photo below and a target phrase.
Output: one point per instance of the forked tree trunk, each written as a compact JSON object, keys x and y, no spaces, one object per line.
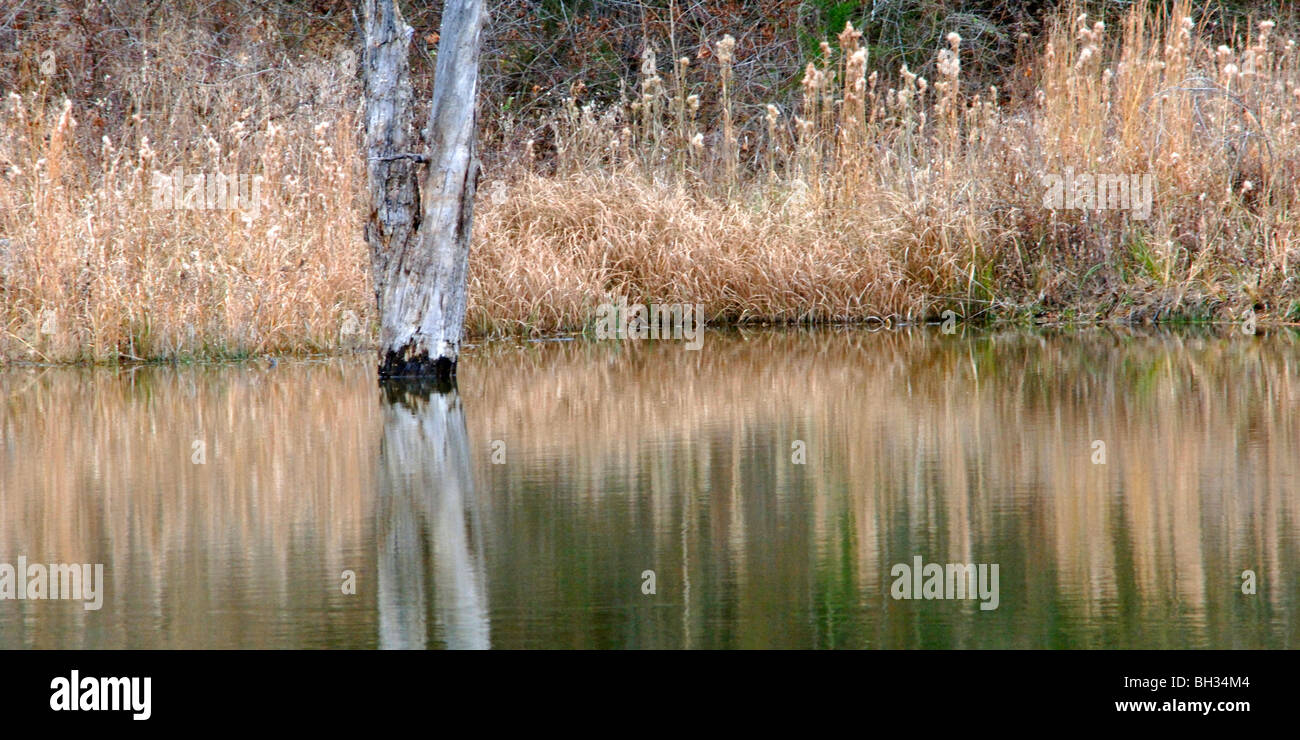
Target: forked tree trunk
{"x":422,"y":204}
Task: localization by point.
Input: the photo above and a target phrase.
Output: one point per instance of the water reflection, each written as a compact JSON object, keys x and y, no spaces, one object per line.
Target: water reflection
{"x":428,"y":524}
{"x":627,"y":457}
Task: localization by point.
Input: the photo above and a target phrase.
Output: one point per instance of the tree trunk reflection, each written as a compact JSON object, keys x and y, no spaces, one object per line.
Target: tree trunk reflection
{"x":428,"y":524}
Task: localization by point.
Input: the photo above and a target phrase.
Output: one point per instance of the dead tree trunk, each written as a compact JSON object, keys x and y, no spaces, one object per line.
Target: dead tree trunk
{"x":419,"y":229}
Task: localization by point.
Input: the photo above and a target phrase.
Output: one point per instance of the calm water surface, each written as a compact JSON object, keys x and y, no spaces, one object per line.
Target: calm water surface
{"x":226,"y":503}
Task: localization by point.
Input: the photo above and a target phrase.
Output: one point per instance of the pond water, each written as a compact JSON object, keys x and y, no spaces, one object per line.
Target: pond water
{"x":763,"y":491}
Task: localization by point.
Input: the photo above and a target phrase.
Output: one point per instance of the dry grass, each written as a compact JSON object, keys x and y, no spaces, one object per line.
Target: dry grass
{"x":874,"y":198}
{"x":93,"y":269}
{"x":901,"y":199}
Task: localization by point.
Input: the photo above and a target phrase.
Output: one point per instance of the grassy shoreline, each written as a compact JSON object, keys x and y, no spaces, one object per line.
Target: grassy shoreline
{"x":475,"y":346}
{"x":868,"y":197}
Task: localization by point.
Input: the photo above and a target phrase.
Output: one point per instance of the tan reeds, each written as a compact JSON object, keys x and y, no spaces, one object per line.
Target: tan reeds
{"x":875,"y":196}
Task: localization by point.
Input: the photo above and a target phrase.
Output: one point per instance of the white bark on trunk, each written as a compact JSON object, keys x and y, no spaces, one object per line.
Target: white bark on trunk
{"x":419,"y":232}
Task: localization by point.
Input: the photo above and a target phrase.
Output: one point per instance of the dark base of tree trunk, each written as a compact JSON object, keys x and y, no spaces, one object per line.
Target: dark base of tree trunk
{"x":398,"y":365}
{"x":414,"y":393}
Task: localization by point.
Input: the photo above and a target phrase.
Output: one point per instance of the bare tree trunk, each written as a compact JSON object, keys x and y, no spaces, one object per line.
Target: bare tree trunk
{"x":419,"y":232}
